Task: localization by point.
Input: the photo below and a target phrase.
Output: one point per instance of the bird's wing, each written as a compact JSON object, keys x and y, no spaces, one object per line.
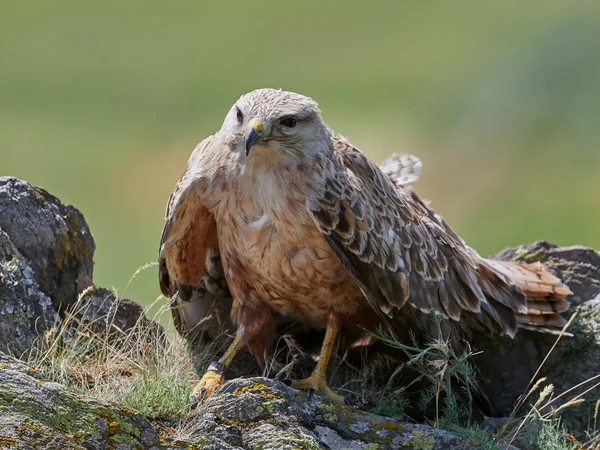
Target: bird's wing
{"x":398,"y":250}
{"x":189,"y":264}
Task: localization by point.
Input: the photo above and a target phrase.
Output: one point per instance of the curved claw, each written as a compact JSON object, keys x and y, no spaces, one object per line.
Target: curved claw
{"x":201,"y":394}
{"x":314,"y":385}
{"x":197,"y":397}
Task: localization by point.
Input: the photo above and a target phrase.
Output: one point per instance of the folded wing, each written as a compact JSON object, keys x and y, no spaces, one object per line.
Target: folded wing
{"x":190,"y":269}
{"x":400,"y":251}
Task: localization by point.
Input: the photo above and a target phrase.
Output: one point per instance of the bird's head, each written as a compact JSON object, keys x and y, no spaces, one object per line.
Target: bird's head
{"x":275,"y":123}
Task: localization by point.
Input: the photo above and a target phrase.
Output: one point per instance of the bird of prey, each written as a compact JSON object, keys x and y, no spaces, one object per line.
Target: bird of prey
{"x":280,"y":218}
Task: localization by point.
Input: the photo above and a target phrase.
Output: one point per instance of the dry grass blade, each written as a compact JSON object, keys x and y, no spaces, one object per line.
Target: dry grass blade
{"x":528,"y":391}
{"x":573,"y":388}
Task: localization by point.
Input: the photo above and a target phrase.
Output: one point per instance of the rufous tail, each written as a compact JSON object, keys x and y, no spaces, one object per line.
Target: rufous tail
{"x":546,"y":294}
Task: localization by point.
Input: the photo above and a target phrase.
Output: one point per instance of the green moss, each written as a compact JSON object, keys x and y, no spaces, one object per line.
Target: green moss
{"x":474,"y":435}
{"x":287,"y":441}
{"x":327,"y":412}
{"x":10,"y":266}
{"x":521,"y":254}
{"x":421,"y":441}
{"x":394,"y":407}
{"x":371,"y":446}
{"x":200,"y":442}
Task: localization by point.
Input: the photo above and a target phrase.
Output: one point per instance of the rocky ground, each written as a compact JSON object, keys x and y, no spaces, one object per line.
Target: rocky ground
{"x":255,"y":413}
{"x":46,"y":262}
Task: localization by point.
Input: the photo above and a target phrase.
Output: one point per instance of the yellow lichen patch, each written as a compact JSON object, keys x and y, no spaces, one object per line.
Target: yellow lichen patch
{"x":126,"y":411}
{"x":39,"y":382}
{"x":235,"y":422}
{"x":33,"y":371}
{"x":27,"y":427}
{"x":7,"y":442}
{"x":257,"y":387}
{"x":113,"y":427}
{"x":269,"y":396}
{"x":241,"y":391}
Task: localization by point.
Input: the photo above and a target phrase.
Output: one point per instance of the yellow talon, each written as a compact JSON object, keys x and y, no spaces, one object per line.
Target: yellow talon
{"x":213,"y":378}
{"x":316,"y":382}
{"x":209,"y":383}
{"x":319,"y":386}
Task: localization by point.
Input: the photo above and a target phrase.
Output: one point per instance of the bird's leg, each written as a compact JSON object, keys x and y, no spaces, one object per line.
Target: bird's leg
{"x":317,"y":382}
{"x":213,"y":378}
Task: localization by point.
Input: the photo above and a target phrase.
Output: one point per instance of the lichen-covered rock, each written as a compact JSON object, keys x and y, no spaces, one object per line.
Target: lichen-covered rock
{"x":261,"y":413}
{"x":25,"y":311}
{"x":53,"y":238}
{"x":35,"y":414}
{"x":253,"y":413}
{"x":46,"y":261}
{"x":507,"y":366}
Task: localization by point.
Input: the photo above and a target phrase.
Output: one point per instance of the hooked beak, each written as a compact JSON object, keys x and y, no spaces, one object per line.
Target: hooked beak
{"x":254,"y":133}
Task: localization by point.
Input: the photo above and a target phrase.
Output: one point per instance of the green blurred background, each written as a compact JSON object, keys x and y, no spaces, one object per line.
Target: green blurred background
{"x":102,"y":102}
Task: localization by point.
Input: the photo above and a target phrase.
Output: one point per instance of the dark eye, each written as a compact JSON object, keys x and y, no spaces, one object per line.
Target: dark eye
{"x":240,"y":116}
{"x":289,"y":122}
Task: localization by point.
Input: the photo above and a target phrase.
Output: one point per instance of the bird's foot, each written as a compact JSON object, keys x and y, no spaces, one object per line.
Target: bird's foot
{"x":210,"y":382}
{"x":317,"y":386}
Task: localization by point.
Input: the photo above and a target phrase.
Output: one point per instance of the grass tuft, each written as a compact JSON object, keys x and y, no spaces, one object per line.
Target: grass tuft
{"x":441,"y":365}
{"x":144,"y":368}
{"x":446,"y":369}
{"x":157,"y":395}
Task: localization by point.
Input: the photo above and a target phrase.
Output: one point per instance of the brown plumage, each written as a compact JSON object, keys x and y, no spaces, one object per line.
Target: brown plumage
{"x":276,"y":217}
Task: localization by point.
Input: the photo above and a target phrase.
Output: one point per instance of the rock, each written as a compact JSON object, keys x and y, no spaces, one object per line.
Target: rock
{"x":35,"y":414}
{"x":46,"y":262}
{"x":52,"y":237}
{"x":25,"y":311}
{"x":266,"y":414}
{"x":507,"y":366}
{"x":102,"y":308}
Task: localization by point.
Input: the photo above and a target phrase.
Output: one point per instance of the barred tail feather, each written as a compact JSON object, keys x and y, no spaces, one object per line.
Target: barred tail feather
{"x":545,"y":293}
